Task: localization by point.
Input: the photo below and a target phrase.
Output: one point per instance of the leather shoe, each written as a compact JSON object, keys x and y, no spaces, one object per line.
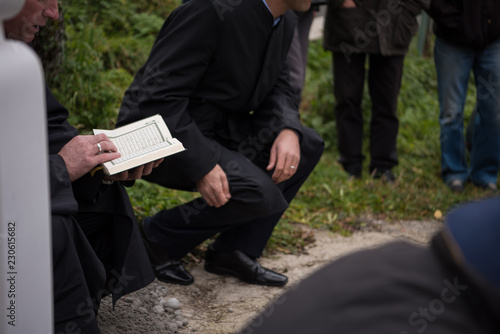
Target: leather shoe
{"x":240,"y":265}
{"x":166,"y":269}
{"x":384,"y":174}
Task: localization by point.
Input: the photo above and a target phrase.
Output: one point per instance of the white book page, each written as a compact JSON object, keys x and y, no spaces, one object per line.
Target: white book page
{"x":139,"y":138}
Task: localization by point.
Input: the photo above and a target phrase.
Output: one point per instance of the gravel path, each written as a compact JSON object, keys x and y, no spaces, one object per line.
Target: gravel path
{"x":221,"y":305}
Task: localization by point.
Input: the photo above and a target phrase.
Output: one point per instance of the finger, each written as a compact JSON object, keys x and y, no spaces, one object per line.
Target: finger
{"x":218,"y":198}
{"x":272,"y":158}
{"x":222,"y":194}
{"x":279,"y":169}
{"x":123,"y":176}
{"x":205,"y":194}
{"x":116,"y":177}
{"x":105,"y":157}
{"x":135,"y":173}
{"x":99,"y":137}
{"x":208,"y":199}
{"x":148,"y":168}
{"x":288,"y":170}
{"x":157,"y":162}
{"x":99,"y":148}
{"x":106,"y":146}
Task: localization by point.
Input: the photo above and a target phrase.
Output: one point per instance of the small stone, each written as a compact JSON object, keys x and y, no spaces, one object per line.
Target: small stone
{"x":178,"y":323}
{"x":158,"y":309}
{"x":230,"y":310}
{"x":173,"y":303}
{"x":160,"y":325}
{"x":172,"y":327}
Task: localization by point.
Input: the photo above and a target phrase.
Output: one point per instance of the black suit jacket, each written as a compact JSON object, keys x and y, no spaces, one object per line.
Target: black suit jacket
{"x":217,"y":73}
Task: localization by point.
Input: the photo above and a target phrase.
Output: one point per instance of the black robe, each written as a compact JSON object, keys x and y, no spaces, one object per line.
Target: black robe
{"x":97,"y":249}
{"x":222,"y":83}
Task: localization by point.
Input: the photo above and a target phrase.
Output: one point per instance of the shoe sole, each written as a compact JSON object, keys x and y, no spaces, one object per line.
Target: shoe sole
{"x":224,"y":272}
{"x":173,"y":282}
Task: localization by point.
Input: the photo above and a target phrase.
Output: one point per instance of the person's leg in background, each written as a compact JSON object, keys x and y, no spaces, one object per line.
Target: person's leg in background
{"x":485,"y":157}
{"x":384,"y":82}
{"x":348,"y":83}
{"x":453,"y":68}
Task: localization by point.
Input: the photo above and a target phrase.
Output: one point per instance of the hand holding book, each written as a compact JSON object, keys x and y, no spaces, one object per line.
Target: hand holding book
{"x":139,"y":143}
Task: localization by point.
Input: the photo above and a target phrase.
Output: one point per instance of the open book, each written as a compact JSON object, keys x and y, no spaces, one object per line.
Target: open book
{"x":139,"y":143}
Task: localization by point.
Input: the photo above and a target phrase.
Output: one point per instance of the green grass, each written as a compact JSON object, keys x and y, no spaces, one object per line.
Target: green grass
{"x":107,"y":41}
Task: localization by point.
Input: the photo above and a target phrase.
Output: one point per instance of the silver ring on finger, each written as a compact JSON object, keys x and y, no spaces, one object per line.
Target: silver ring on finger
{"x":99,"y":147}
{"x":292,"y":167}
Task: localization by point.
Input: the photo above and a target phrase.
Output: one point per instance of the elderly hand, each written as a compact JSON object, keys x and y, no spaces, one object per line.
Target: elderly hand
{"x":285,"y":156}
{"x":82,"y":153}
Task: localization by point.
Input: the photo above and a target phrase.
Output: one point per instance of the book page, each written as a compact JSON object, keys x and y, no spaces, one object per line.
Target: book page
{"x":139,"y":141}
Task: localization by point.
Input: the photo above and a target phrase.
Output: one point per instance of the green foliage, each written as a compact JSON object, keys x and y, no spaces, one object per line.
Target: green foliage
{"x":318,"y":100}
{"x":107,"y":42}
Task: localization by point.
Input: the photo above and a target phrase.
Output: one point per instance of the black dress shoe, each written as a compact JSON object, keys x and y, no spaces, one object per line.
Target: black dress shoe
{"x":240,"y":265}
{"x":384,"y":174}
{"x":166,"y":269}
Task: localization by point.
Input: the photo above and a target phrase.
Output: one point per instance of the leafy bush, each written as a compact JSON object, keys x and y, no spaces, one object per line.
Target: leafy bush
{"x":106,"y":43}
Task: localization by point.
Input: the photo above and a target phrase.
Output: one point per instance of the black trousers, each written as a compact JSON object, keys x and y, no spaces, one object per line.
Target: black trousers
{"x":248,"y":219}
{"x":384,"y":82}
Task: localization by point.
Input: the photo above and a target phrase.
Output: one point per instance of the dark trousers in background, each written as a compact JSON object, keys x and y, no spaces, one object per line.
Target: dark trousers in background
{"x":384,"y":82}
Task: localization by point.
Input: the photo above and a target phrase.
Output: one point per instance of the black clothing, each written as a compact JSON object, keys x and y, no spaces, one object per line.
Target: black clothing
{"x":380,"y":30}
{"x":383,"y":27}
{"x":396,"y":288}
{"x":97,"y":250}
{"x":384,"y":82}
{"x":247,"y":220}
{"x":217,"y":74}
{"x":469,"y":23}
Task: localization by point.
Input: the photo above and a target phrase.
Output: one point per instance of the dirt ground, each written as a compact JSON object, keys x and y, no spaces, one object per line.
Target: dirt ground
{"x":222,"y":305}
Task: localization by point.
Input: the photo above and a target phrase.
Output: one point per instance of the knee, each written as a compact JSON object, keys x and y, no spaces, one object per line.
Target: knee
{"x":257,"y":197}
{"x":312,"y":146}
{"x":451,"y":114}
